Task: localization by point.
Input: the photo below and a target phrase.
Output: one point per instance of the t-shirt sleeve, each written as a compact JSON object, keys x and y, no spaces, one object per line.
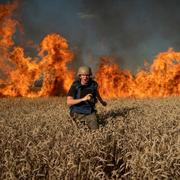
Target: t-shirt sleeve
{"x":72,"y":91}
{"x":95,"y":84}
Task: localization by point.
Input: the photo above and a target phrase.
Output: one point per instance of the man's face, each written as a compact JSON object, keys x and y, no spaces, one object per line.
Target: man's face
{"x":84,"y":78}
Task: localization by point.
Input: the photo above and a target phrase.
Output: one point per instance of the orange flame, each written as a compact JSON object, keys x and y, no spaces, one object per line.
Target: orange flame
{"x":52,"y":66}
{"x":7,"y":29}
{"x":19,"y":73}
{"x":161,"y":79}
{"x":113,"y":81}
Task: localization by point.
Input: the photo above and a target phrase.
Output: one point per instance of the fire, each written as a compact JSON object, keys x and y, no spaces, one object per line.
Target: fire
{"x":19,"y":74}
{"x":113,"y":82}
{"x":54,"y":55}
{"x":160,"y":80}
{"x":7,"y":29}
{"x":54,"y":65}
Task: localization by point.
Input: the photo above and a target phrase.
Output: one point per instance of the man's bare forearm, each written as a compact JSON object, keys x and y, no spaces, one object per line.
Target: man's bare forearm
{"x":71,"y":102}
{"x":100,"y":99}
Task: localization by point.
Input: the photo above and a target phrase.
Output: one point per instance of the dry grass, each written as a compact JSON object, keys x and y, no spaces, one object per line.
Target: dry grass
{"x":139,"y":141}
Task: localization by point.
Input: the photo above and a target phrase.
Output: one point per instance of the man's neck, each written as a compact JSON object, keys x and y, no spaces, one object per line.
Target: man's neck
{"x":84,"y":84}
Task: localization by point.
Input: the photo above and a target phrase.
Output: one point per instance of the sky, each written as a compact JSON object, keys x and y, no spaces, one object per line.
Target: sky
{"x":131,"y":31}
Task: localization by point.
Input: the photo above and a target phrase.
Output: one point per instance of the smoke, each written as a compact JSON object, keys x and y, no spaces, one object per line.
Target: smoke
{"x":130,"y":31}
{"x":134,"y":30}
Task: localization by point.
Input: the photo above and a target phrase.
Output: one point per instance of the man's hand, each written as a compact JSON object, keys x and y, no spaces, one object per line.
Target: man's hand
{"x":87,"y":97}
{"x":104,"y":103}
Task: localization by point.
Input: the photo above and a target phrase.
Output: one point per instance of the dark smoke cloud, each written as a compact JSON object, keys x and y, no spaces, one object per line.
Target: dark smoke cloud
{"x":166,"y":16}
{"x":126,"y":27}
{"x":113,"y":21}
{"x":131,"y":31}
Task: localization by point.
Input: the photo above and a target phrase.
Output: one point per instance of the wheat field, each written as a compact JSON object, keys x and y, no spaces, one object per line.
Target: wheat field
{"x":139,"y":139}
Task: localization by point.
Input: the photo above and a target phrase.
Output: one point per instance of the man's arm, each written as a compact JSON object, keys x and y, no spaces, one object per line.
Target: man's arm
{"x":71,"y":101}
{"x":104,"y":103}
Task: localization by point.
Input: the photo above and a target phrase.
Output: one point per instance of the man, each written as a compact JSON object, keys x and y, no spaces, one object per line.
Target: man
{"x":82,"y":97}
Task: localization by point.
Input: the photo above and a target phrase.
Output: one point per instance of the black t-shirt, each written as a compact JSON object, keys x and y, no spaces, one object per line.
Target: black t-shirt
{"x":79,"y":91}
{"x":84,"y":89}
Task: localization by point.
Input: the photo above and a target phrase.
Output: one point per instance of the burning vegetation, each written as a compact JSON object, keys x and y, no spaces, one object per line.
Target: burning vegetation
{"x":19,"y":73}
{"x":161,"y":79}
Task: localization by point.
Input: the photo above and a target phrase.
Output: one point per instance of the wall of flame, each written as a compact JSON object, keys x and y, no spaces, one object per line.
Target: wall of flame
{"x":19,"y":73}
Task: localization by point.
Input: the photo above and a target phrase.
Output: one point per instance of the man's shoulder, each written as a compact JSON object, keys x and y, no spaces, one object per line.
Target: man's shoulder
{"x":76,"y":84}
{"x":72,"y":89}
{"x":95,"y":84}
